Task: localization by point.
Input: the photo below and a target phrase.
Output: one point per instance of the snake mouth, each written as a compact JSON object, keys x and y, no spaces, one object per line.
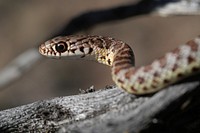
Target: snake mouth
{"x":49,"y":52}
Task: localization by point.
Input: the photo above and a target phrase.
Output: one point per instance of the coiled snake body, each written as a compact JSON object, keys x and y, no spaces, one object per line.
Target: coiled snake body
{"x":173,"y":66}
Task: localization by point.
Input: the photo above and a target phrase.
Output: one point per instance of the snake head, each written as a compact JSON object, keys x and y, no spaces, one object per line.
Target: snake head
{"x":65,"y":47}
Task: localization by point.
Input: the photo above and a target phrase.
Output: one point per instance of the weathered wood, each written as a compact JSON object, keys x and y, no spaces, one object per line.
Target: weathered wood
{"x":168,"y":110}
{"x":108,"y":110}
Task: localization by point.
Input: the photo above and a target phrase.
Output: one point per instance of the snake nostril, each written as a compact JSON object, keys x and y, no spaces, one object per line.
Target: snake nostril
{"x":42,"y":49}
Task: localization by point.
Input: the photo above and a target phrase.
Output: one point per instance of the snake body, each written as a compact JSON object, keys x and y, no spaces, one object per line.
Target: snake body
{"x":173,"y":66}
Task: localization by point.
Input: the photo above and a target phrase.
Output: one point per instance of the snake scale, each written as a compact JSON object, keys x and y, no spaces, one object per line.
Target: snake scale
{"x":173,"y":66}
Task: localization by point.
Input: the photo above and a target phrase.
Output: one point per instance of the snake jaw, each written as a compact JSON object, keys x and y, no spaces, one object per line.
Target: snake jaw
{"x":47,"y":50}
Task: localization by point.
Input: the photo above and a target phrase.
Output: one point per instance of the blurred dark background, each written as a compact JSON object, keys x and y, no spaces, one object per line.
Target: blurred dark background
{"x":26,"y":24}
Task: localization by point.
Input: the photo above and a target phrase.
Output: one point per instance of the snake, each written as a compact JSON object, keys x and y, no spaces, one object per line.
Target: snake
{"x":174,"y":66}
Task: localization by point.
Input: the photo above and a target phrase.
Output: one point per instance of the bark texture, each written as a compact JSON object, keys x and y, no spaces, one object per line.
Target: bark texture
{"x":174,"y":109}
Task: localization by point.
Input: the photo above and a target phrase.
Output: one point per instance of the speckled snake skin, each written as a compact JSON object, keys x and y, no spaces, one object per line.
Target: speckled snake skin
{"x":173,"y":66}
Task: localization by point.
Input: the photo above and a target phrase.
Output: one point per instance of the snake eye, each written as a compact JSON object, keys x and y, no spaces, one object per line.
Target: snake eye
{"x":61,"y":47}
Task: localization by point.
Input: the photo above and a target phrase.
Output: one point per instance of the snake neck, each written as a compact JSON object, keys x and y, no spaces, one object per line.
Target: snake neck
{"x":123,"y":62}
{"x":119,"y":56}
{"x":114,"y":53}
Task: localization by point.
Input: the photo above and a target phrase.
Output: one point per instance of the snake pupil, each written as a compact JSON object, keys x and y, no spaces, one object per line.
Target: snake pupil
{"x":61,"y":47}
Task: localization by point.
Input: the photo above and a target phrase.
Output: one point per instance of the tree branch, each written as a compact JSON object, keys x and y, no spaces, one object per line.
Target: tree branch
{"x":112,"y":110}
{"x":16,"y":68}
{"x":157,"y":7}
